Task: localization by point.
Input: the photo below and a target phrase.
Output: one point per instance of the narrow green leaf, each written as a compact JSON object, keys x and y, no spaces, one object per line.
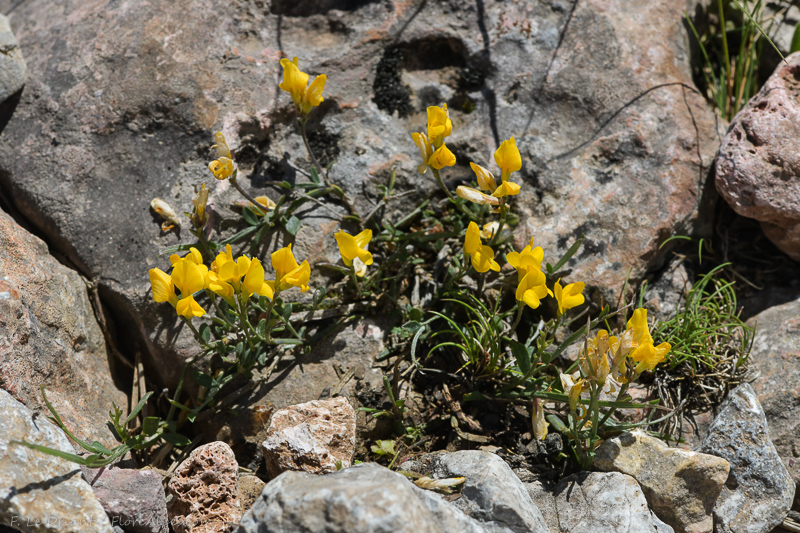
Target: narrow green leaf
{"x":150,"y":425}
{"x":50,"y":451}
{"x":249,"y":215}
{"x":204,"y":380}
{"x":176,"y":439}
{"x":522,"y":354}
{"x":137,"y":408}
{"x":567,"y":256}
{"x":205,"y":332}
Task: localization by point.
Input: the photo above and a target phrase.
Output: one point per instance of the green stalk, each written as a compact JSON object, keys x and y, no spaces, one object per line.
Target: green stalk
{"x":439,"y":180}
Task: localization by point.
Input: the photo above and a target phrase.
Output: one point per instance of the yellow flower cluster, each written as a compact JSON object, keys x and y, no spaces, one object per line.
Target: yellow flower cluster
{"x":295,"y":82}
{"x":432,"y":148}
{"x":223,"y":166}
{"x":509,"y":160}
{"x":226,"y":277}
{"x":606,"y":355}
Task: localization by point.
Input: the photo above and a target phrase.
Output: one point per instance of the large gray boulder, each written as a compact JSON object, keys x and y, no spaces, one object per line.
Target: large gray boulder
{"x":365,"y":498}
{"x":49,"y":336}
{"x":12,"y":66}
{"x":616,"y":143}
{"x":759,"y":491}
{"x":39,"y":492}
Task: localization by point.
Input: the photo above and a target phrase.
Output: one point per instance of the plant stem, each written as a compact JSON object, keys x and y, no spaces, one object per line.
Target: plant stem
{"x":520,"y":308}
{"x":621,"y":393}
{"x":302,"y":121}
{"x":213,"y":298}
{"x":439,"y":180}
{"x":252,"y":200}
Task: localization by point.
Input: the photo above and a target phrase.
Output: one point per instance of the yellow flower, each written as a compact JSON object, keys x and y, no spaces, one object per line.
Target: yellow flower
{"x":354,"y":250}
{"x":425,"y":150}
{"x":488,"y":230}
{"x":638,"y":323}
{"x":507,"y":158}
{"x":537,"y":418}
{"x":222,"y":168}
{"x":266,"y":202}
{"x":163,"y":288}
{"x":442,"y":157}
{"x":439,"y":124}
{"x":468,"y":193}
{"x":254,"y":281}
{"x":485,"y":178}
{"x":287,"y":272}
{"x":482,"y":256}
{"x":200,"y":201}
{"x":569,"y":296}
{"x":532,"y":289}
{"x":189,"y":277}
{"x":487,"y":182}
{"x":528,"y":259}
{"x":294,"y":83}
{"x":647,"y":356}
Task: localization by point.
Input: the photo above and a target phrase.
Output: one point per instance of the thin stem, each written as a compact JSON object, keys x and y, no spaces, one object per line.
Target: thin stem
{"x":301,"y":121}
{"x":621,"y":393}
{"x":201,"y":236}
{"x":244,"y":323}
{"x":504,"y":209}
{"x":220,"y":314}
{"x":520,"y":308}
{"x":252,"y":200}
{"x":439,"y":180}
{"x":355,"y":280}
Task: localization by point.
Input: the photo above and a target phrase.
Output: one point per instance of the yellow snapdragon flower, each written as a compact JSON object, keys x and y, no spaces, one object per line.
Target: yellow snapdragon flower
{"x":295,"y":83}
{"x":225,"y":276}
{"x":528,"y":259}
{"x":477,"y":197}
{"x":442,"y":157}
{"x":287,"y":272}
{"x":222,"y":168}
{"x":439,"y":124}
{"x":200,"y":202}
{"x":532,"y":289}
{"x":507,"y":158}
{"x":189,"y":275}
{"x":481,"y":255}
{"x":507,"y":161}
{"x":353,"y":250}
{"x":425,"y":150}
{"x":569,"y":296}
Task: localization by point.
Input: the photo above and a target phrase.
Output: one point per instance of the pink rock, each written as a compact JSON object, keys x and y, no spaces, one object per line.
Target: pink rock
{"x":204,"y":491}
{"x":132,"y":499}
{"x":758,"y":166}
{"x":311,"y":437}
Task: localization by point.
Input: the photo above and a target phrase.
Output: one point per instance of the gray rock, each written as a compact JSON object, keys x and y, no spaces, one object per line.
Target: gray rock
{"x":132,"y":499}
{"x":595,"y":502}
{"x":615,"y":144}
{"x":681,"y":486}
{"x":40,"y":492}
{"x":541,"y":493}
{"x":49,"y":336}
{"x":365,"y":498}
{"x":492,"y":493}
{"x":775,"y":353}
{"x":759,"y":491}
{"x":12,"y":66}
{"x":758,"y":165}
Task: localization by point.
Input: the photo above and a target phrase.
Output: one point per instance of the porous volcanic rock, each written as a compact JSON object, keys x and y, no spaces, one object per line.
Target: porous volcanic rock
{"x":316,"y":437}
{"x":49,"y":336}
{"x":205,"y":495}
{"x":758,"y":165}
{"x":122,"y":100}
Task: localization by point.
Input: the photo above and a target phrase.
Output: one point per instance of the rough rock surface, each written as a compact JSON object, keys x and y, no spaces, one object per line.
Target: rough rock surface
{"x":203,"y":487}
{"x":615,"y":143}
{"x":49,"y":335}
{"x":12,"y":65}
{"x":759,"y":492}
{"x":39,"y":492}
{"x":758,"y":165}
{"x":776,"y":357}
{"x":312,"y":437}
{"x":595,"y":502}
{"x":365,"y":498}
{"x":133,"y":499}
{"x":250,"y":488}
{"x":681,"y":486}
{"x":491,"y":493}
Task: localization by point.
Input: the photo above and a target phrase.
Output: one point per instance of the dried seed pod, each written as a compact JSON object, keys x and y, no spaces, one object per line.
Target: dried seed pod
{"x":167,"y":213}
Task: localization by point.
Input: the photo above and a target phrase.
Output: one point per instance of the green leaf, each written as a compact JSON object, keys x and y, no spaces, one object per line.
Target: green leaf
{"x":205,"y":332}
{"x":249,"y":215}
{"x":261,"y":328}
{"x":175,"y":249}
{"x":239,"y":236}
{"x":292,"y":225}
{"x":287,"y":312}
{"x":567,"y":256}
{"x":176,"y":439}
{"x":137,"y":409}
{"x":474,"y":396}
{"x":50,"y":451}
{"x":313,"y":175}
{"x":522,"y":354}
{"x":204,"y":380}
{"x":795,"y":46}
{"x":150,"y":425}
